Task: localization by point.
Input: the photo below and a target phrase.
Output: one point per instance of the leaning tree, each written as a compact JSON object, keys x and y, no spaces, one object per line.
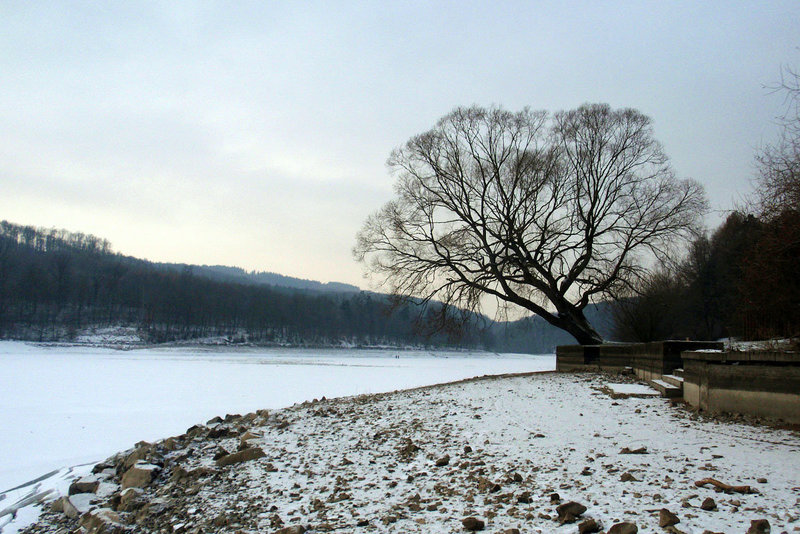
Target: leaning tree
{"x":548,"y":213}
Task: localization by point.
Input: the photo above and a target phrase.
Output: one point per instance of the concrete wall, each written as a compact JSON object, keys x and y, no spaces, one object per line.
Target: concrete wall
{"x":758,"y":383}
{"x":648,"y":360}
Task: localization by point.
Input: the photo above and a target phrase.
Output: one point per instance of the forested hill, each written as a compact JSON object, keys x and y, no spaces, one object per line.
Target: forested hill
{"x":239,"y":275}
{"x":55,"y":283}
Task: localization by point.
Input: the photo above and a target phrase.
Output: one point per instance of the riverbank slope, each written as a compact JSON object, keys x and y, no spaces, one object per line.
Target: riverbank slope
{"x":423,"y":460}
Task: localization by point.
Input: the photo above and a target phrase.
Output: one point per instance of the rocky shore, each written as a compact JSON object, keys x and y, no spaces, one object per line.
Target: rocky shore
{"x":538,"y":453}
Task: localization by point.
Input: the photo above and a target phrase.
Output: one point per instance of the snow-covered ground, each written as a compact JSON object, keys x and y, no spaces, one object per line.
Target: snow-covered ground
{"x":496,"y":449}
{"x":65,"y":406}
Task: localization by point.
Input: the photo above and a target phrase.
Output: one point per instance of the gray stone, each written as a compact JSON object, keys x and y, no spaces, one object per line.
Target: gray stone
{"x":294,"y":529}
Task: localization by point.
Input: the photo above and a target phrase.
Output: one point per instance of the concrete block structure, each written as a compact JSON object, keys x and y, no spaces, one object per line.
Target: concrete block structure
{"x":648,"y":360}
{"x":762,"y":383}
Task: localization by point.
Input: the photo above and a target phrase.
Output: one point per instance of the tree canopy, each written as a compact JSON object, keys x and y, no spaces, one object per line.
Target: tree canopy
{"x":547,"y":212}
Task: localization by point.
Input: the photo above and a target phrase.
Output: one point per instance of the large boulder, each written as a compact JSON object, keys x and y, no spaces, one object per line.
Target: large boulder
{"x":76,"y":505}
{"x":87,"y":484}
{"x":130,"y":499}
{"x":569,"y":511}
{"x":101,"y":521}
{"x":139,"y":453}
{"x":139,"y":475}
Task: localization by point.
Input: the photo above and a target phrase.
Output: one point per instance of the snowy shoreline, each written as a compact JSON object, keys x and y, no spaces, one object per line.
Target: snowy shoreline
{"x":423,"y":459}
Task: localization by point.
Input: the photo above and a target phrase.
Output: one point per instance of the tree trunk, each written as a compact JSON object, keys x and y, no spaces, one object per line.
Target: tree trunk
{"x":573,"y":321}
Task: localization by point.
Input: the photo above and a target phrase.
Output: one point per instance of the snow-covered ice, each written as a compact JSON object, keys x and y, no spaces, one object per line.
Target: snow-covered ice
{"x":65,"y":406}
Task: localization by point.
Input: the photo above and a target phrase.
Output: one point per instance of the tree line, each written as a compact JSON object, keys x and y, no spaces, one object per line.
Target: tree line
{"x":744,"y":279}
{"x":54,"y":283}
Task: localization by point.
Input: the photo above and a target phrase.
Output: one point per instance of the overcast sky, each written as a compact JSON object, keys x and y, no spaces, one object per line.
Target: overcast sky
{"x":256,"y":134}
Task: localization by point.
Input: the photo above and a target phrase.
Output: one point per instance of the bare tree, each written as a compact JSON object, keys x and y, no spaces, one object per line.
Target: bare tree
{"x":778,"y":179}
{"x":545,"y":213}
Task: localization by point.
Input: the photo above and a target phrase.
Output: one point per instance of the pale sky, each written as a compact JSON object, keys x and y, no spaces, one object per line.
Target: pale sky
{"x":256,"y":134}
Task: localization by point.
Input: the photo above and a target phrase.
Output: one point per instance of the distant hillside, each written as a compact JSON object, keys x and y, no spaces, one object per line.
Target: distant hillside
{"x":54,"y":284}
{"x":235,"y":274}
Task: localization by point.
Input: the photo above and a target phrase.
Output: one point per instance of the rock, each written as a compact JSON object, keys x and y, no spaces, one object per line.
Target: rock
{"x":179,"y":474}
{"x":443,"y":461}
{"x":249,"y":435}
{"x":555,"y":498}
{"x":77,"y":505}
{"x":195,"y":431}
{"x":667,"y":518}
{"x":220,"y":431}
{"x":510,"y":531}
{"x":640,"y":450}
{"x":84,"y":485}
{"x":589,"y":526}
{"x":56,"y":506}
{"x":408,"y":450}
{"x":294,"y":529}
{"x":674,"y":530}
{"x":101,"y":521}
{"x":569,"y":512}
{"x":246,"y":455}
{"x":154,"y":508}
{"x":214,"y":421}
{"x":623,"y":528}
{"x":472,"y":523}
{"x":524,"y":498}
{"x":759,"y":526}
{"x":139,"y":476}
{"x":761,"y":480}
{"x":708,"y":504}
{"x":467,"y":449}
{"x":628,"y":477}
{"x":130,"y":500}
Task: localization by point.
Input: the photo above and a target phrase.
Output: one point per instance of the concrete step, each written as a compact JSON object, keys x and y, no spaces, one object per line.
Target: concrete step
{"x":675,"y":380}
{"x":678,"y":372}
{"x":667,"y":390}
